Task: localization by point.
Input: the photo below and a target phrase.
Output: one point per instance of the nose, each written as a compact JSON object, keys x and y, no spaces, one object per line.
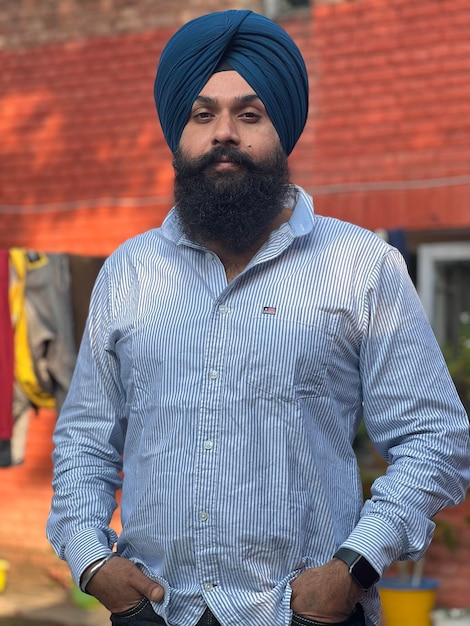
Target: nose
{"x":225,"y":131}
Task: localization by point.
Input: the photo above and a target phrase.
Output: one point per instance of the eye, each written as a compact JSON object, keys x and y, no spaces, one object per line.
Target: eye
{"x":201,"y":116}
{"x":250,"y":116}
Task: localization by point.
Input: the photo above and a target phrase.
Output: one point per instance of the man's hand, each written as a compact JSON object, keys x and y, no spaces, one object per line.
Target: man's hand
{"x":326,"y":594}
{"x":119,"y":585}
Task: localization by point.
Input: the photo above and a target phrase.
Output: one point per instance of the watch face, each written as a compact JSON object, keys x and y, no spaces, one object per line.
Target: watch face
{"x":359,"y":567}
{"x":364,"y":573}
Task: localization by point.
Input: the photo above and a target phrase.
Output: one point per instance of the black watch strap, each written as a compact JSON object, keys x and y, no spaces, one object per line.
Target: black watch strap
{"x":359,"y":567}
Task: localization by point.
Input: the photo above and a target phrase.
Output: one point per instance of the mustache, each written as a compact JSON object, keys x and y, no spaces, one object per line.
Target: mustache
{"x":227,"y":153}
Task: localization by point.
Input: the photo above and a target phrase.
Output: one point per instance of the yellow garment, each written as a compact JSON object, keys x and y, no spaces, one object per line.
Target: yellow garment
{"x":24,"y":367}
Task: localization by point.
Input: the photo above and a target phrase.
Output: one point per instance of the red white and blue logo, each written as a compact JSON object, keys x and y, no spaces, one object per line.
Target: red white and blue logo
{"x":269,"y":310}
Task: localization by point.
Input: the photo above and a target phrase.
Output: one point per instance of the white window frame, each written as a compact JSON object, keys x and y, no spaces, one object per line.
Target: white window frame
{"x":272,"y":8}
{"x":429,"y":256}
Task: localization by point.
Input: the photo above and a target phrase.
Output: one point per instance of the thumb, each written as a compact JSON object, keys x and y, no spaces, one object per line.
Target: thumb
{"x":155,"y":593}
{"x":148,"y":587}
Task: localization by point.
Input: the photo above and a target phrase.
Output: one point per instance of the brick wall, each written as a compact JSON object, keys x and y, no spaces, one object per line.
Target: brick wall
{"x":83,"y":164}
{"x":26,"y":24}
{"x":26,"y":489}
{"x":25,"y":496}
{"x":391,"y":128}
{"x":448,"y":560}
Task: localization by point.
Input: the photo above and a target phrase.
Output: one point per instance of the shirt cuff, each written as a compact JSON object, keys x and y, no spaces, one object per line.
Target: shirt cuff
{"x":85,"y":547}
{"x":377,"y":541}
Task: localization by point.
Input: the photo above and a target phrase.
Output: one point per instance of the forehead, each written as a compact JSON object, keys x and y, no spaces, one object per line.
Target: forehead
{"x":226,"y":85}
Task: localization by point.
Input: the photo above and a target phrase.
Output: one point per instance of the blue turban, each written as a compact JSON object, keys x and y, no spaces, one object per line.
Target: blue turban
{"x":255,"y":47}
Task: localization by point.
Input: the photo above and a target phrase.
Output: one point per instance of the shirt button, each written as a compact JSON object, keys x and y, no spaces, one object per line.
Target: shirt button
{"x":223,"y":309}
{"x":209,"y":256}
{"x":213,"y":374}
{"x":208,"y":445}
{"x":208,"y":586}
{"x":203,"y":516}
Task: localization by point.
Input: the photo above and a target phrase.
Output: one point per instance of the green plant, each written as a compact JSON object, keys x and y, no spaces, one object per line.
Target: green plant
{"x":458,"y":360}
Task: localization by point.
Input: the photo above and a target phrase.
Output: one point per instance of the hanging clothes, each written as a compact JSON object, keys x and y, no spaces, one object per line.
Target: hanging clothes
{"x":83,"y":273}
{"x":397,"y":239}
{"x":50,"y":324}
{"x":45,"y":349}
{"x":25,"y":373}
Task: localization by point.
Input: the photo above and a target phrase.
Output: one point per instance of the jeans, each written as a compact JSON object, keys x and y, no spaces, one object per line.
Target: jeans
{"x":144,"y":615}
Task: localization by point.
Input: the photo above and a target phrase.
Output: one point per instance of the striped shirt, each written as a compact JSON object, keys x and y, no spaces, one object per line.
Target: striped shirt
{"x":232,"y":409}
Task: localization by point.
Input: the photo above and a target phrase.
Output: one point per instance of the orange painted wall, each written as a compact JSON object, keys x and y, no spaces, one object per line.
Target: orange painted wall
{"x":26,"y":490}
{"x":391,"y":138}
{"x":83,"y":164}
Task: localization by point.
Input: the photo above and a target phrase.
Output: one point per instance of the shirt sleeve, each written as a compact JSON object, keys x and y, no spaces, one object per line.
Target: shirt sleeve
{"x":414,"y":418}
{"x":89,"y":439}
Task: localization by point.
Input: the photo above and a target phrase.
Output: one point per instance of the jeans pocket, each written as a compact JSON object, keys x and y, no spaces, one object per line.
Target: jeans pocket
{"x":141,"y":613}
{"x":356,"y":619}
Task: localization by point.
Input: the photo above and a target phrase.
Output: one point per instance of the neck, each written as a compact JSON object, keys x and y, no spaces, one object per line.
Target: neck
{"x":235,"y":262}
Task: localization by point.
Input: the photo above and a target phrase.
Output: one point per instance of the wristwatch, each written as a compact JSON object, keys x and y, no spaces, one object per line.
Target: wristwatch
{"x":359,"y":567}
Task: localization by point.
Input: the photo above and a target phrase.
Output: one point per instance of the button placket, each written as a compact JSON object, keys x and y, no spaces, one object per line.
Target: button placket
{"x":206,"y":477}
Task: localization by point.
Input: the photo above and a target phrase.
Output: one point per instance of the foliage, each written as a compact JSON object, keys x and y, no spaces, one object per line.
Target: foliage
{"x":458,"y":361}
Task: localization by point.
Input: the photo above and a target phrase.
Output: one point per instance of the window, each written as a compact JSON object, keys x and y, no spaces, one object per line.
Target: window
{"x":443,"y":286}
{"x":274,"y":8}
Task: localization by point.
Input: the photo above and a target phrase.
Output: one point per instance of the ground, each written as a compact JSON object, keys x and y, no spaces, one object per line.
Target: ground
{"x":39,"y":593}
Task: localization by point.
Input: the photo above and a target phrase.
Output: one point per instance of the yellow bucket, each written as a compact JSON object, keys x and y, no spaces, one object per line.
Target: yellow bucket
{"x":404,"y":605}
{"x":4,"y":567}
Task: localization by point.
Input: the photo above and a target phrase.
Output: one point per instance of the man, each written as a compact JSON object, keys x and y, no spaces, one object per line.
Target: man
{"x":228,"y":360}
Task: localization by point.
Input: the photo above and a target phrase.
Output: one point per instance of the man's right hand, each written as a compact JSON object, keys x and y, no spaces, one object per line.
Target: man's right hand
{"x":119,"y":585}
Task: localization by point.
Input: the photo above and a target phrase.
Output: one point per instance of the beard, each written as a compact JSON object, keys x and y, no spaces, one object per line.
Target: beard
{"x":233,"y":208}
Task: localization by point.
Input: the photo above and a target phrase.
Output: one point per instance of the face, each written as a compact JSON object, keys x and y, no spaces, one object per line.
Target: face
{"x":231,"y":173}
{"x":228,"y":113}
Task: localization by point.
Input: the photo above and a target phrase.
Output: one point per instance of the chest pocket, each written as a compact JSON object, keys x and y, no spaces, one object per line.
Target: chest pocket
{"x":290,"y":359}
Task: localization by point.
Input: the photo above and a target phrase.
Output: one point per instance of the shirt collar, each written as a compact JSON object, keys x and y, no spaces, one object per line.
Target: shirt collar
{"x":301,"y":221}
{"x":303,"y":215}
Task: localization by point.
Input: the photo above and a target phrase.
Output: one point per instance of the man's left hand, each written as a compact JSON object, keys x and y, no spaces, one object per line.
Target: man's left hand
{"x":326,"y":594}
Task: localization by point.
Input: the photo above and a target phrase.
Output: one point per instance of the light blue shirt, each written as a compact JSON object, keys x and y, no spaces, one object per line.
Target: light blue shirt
{"x":234,"y":408}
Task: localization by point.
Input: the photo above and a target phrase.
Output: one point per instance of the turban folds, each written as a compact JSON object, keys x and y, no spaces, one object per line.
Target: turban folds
{"x":255,"y":47}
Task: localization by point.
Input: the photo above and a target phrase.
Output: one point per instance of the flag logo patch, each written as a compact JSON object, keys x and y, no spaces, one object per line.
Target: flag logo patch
{"x":269,"y":310}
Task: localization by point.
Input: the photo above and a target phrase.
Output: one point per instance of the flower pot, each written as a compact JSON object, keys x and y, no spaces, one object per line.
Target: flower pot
{"x":407,"y":605}
{"x":4,"y":567}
